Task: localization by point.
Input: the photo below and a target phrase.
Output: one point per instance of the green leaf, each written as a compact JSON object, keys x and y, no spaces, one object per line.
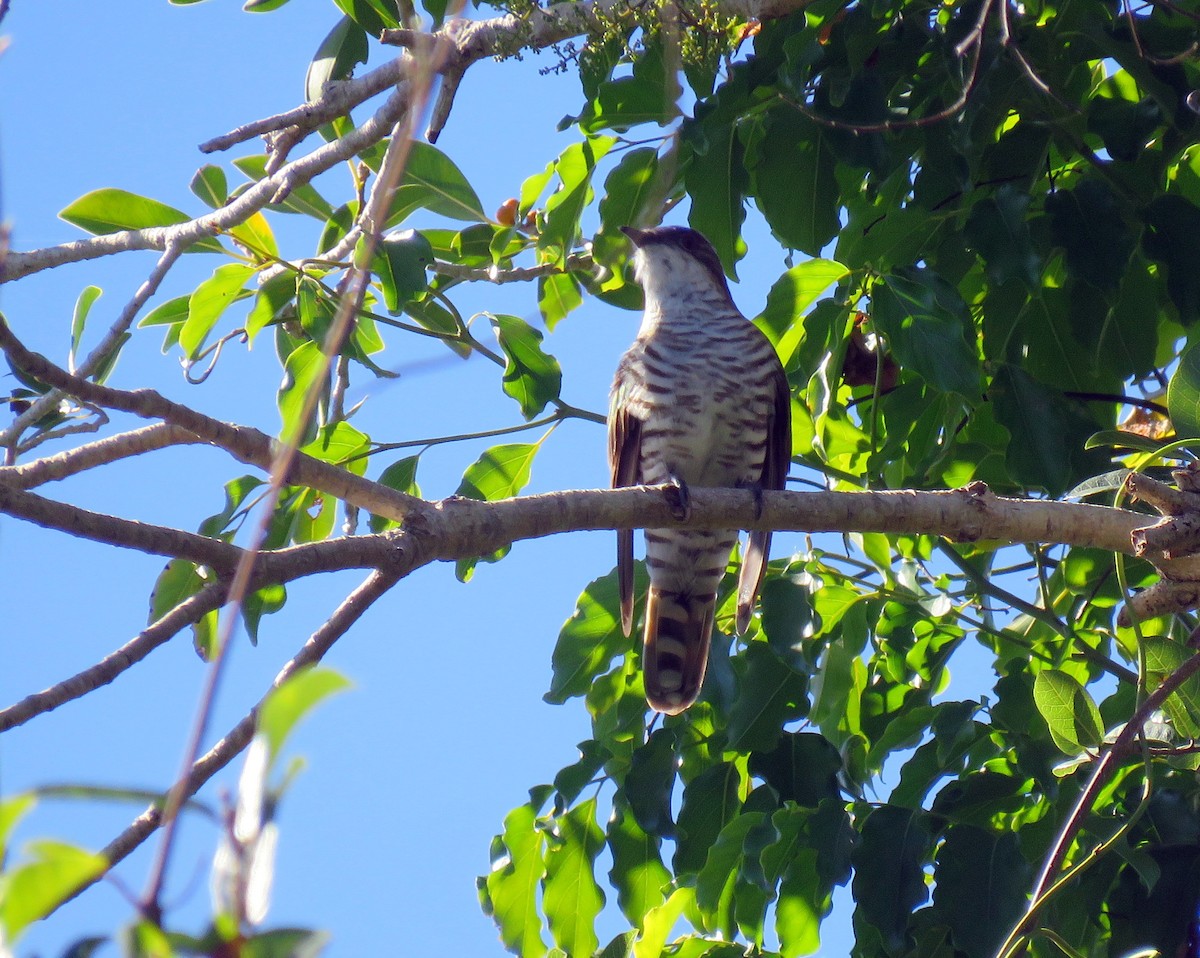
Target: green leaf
{"x":1069,"y":711}
{"x":649,"y":782}
{"x":889,"y":878}
{"x":343,"y":47}
{"x":659,"y":922}
{"x":208,"y":301}
{"x":531,"y":376}
{"x":574,"y":778}
{"x":173,"y":311}
{"x":769,"y":694}
{"x":710,"y":801}
{"x":788,"y":619}
{"x":1048,"y":432}
{"x":1124,"y":126}
{"x":571,"y":897}
{"x":929,"y":329}
{"x":558,"y":294}
{"x":628,"y":189}
{"x":285,"y":943}
{"x":265,"y":601}
{"x":12,"y":810}
{"x":793,"y":182}
{"x":374,"y":16}
{"x":179,"y":581}
{"x":287,"y":704}
{"x":1088,"y":224}
{"x":401,"y":475}
{"x":982,"y":887}
{"x":564,"y":207}
{"x":500,"y":473}
{"x":32,"y":890}
{"x":638,"y":873}
{"x":793,"y":293}
{"x":259,"y":6}
{"x":305,"y":369}
{"x":1171,"y":224}
{"x":717,"y":182}
{"x":717,"y":880}
{"x":999,"y":231}
{"x":512,"y":884}
{"x":303,"y":198}
{"x":400,"y":264}
{"x":111,"y":210}
{"x":802,"y":767}
{"x":588,"y":642}
{"x":211,"y":186}
{"x":647,"y":95}
{"x":237,"y":491}
{"x":341,"y":444}
{"x":1163,"y":656}
{"x":254,"y":235}
{"x":1183,"y":394}
{"x":83,"y":306}
{"x":432,"y":181}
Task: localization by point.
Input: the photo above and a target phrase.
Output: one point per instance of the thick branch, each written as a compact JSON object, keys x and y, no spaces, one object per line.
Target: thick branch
{"x":462,"y":527}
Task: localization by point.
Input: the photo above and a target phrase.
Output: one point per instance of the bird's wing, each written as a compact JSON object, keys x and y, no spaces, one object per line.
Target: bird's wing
{"x":776,"y":461}
{"x":624,"y":459}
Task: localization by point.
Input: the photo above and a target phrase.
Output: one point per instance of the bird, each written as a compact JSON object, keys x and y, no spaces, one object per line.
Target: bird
{"x":700,"y":399}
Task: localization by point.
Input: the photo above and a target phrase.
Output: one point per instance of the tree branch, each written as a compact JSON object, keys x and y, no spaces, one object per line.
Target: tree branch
{"x":243,"y":443}
{"x":221,"y":754}
{"x":388,"y":550}
{"x":191,"y":610}
{"x":112,"y":530}
{"x":98,"y":453}
{"x":271,"y":189}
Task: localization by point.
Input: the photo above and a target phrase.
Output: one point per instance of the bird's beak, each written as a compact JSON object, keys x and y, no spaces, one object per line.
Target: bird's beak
{"x":636,"y":236}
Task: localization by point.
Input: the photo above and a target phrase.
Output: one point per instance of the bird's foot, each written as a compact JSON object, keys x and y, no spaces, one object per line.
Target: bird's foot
{"x":757,"y":489}
{"x":679,"y":500}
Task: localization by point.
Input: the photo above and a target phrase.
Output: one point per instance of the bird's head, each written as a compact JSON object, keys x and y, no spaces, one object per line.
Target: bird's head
{"x":675,"y":261}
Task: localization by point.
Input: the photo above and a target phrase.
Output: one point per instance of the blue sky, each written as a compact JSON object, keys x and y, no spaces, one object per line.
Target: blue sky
{"x":411,"y":772}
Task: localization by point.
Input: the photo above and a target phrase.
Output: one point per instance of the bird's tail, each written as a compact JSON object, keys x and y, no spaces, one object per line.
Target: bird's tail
{"x":675,"y":651}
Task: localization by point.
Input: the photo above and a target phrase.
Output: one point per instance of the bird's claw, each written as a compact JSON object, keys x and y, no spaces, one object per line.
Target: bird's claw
{"x":679,"y":500}
{"x":757,"y":489}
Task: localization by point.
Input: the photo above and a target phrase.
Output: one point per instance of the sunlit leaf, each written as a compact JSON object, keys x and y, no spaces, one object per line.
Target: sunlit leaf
{"x":293,"y":700}
{"x":512,"y":884}
{"x":1070,"y":712}
{"x":571,"y":897}
{"x":110,"y":210}
{"x":83,"y":306}
{"x":209,"y":301}
{"x":32,"y":889}
{"x":432,"y":181}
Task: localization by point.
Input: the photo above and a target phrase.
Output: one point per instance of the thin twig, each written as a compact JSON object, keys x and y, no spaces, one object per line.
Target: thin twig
{"x":191,"y":610}
{"x":237,"y":738}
